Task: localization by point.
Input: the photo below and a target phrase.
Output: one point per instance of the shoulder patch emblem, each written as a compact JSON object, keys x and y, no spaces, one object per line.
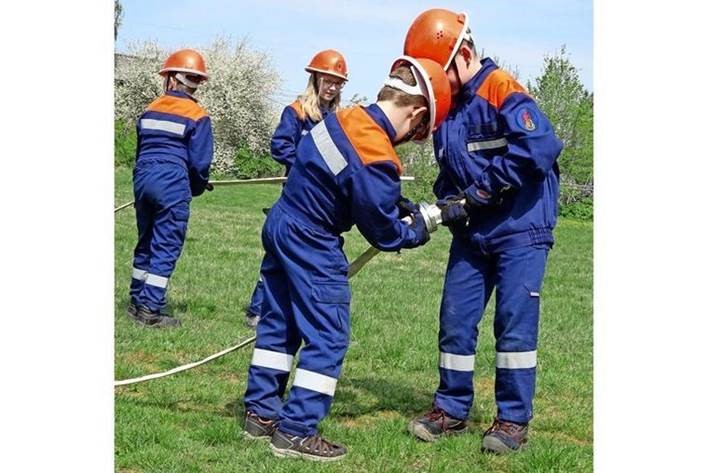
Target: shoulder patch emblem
{"x":526,"y":118}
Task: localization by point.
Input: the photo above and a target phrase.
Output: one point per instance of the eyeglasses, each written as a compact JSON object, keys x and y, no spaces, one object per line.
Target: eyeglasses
{"x":327,"y":83}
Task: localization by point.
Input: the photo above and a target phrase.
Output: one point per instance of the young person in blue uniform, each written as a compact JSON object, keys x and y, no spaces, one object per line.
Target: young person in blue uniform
{"x":174,"y":153}
{"x":328,"y":74}
{"x":346,"y":173}
{"x":498,"y":151}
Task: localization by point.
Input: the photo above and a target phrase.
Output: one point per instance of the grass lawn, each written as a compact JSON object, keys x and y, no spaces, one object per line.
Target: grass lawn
{"x":187,"y":422}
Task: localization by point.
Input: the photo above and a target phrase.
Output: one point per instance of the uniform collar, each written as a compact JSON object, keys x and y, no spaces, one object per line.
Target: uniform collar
{"x":177,"y":93}
{"x":381,"y":120}
{"x":471,"y":87}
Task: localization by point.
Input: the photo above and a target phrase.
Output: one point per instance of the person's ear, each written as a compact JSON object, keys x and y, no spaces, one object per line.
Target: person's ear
{"x":418,"y":112}
{"x":466,"y":53}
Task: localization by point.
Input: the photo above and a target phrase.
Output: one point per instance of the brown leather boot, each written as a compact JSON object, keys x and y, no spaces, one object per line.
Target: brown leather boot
{"x":310,"y":448}
{"x":258,"y":428}
{"x":504,"y":437}
{"x":436,"y":424}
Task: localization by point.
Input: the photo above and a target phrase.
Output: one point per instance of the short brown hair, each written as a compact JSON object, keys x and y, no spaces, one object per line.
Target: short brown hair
{"x":398,"y":97}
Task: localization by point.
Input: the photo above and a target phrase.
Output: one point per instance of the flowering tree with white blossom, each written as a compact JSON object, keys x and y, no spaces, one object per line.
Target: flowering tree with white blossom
{"x":236,"y":96}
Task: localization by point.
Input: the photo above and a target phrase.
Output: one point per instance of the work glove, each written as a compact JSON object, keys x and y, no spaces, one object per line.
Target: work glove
{"x":421,"y":232}
{"x":453,"y":211}
{"x":406,"y":208}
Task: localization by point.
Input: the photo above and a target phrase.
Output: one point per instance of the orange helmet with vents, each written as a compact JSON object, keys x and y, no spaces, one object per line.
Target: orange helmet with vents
{"x":431,"y":83}
{"x":187,"y":61}
{"x":329,"y":62}
{"x":437,"y":34}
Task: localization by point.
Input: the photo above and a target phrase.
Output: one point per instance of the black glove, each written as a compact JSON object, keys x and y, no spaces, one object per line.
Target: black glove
{"x":453,"y":211}
{"x":406,"y":208}
{"x":209,"y":186}
{"x":421,"y":232}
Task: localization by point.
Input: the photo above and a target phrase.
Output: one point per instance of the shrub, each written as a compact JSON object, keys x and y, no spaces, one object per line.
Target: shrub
{"x":124,"y":141}
{"x":579,"y":209}
{"x":248,"y":166}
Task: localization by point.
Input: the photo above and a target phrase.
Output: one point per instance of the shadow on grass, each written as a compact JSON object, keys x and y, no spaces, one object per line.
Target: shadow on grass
{"x":188,"y":405}
{"x":367,"y":395}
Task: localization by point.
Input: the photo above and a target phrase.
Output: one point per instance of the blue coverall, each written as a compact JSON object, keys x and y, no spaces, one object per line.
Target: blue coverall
{"x":498,"y":148}
{"x":174,"y":153}
{"x":294,"y":124}
{"x":346,"y":173}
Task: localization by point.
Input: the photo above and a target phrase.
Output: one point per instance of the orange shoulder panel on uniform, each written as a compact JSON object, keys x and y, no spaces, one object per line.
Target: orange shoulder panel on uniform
{"x":498,"y":86}
{"x":297,"y":106}
{"x":369,"y":140}
{"x":182,"y":107}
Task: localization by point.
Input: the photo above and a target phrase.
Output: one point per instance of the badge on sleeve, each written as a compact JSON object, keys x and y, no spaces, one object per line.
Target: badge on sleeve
{"x":526,"y":118}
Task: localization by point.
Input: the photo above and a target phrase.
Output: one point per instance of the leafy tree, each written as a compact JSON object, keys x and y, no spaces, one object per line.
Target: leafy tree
{"x":117,"y":17}
{"x":357,"y":99}
{"x":563,"y":98}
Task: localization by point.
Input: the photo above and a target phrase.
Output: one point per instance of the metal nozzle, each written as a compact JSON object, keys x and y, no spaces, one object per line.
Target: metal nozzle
{"x":432,"y":216}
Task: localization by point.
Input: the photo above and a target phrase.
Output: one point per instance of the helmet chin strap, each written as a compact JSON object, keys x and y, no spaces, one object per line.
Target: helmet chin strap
{"x":412,"y":133}
{"x":183,"y":79}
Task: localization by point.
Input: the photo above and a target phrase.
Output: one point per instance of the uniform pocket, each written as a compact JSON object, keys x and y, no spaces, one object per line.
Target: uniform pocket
{"x":333,"y":298}
{"x":180,"y":213}
{"x":331,"y":292}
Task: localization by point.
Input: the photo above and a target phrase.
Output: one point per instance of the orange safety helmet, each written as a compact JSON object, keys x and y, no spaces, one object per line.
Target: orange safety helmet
{"x":329,"y":62}
{"x":187,"y":61}
{"x":437,"y":34}
{"x":431,"y":83}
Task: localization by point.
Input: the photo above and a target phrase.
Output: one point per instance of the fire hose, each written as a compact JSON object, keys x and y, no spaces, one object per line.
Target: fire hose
{"x":432,"y":217}
{"x":260,"y":180}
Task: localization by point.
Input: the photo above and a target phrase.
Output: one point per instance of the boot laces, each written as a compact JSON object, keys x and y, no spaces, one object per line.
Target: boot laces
{"x":317,"y":443}
{"x":507,"y":427}
{"x":435,"y":414}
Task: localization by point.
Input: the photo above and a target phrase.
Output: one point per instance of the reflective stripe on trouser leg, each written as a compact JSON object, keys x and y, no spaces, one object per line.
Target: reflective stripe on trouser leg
{"x":316,"y":269}
{"x":137,"y":281}
{"x":519,"y":279}
{"x":465,"y":293}
{"x":169,"y":232}
{"x":277,"y":340}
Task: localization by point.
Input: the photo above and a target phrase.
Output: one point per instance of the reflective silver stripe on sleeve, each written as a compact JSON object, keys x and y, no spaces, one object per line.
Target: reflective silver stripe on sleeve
{"x":331,"y":155}
{"x":491,"y":144}
{"x":451,"y":361}
{"x":139,"y":273}
{"x":162,"y":125}
{"x":315,"y":382}
{"x":157,"y":281}
{"x":272,"y":359}
{"x":516,"y":360}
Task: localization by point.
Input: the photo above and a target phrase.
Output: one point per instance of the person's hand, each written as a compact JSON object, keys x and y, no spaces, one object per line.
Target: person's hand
{"x":453,"y":210}
{"x":406,"y":208}
{"x":421,"y":232}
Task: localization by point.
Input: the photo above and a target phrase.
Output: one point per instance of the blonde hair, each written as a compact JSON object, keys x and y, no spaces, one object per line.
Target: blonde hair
{"x":310,"y":100}
{"x":398,"y":97}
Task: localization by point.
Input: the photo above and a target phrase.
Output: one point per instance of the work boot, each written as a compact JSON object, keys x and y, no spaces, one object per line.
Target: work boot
{"x":504,"y":437}
{"x":258,"y":428}
{"x":154,"y":319}
{"x":313,"y":447}
{"x":435,"y":424}
{"x":252,"y":319}
{"x":132,"y":310}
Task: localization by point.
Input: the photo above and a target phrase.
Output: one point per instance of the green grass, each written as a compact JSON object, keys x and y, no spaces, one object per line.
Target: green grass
{"x":186,"y":423}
